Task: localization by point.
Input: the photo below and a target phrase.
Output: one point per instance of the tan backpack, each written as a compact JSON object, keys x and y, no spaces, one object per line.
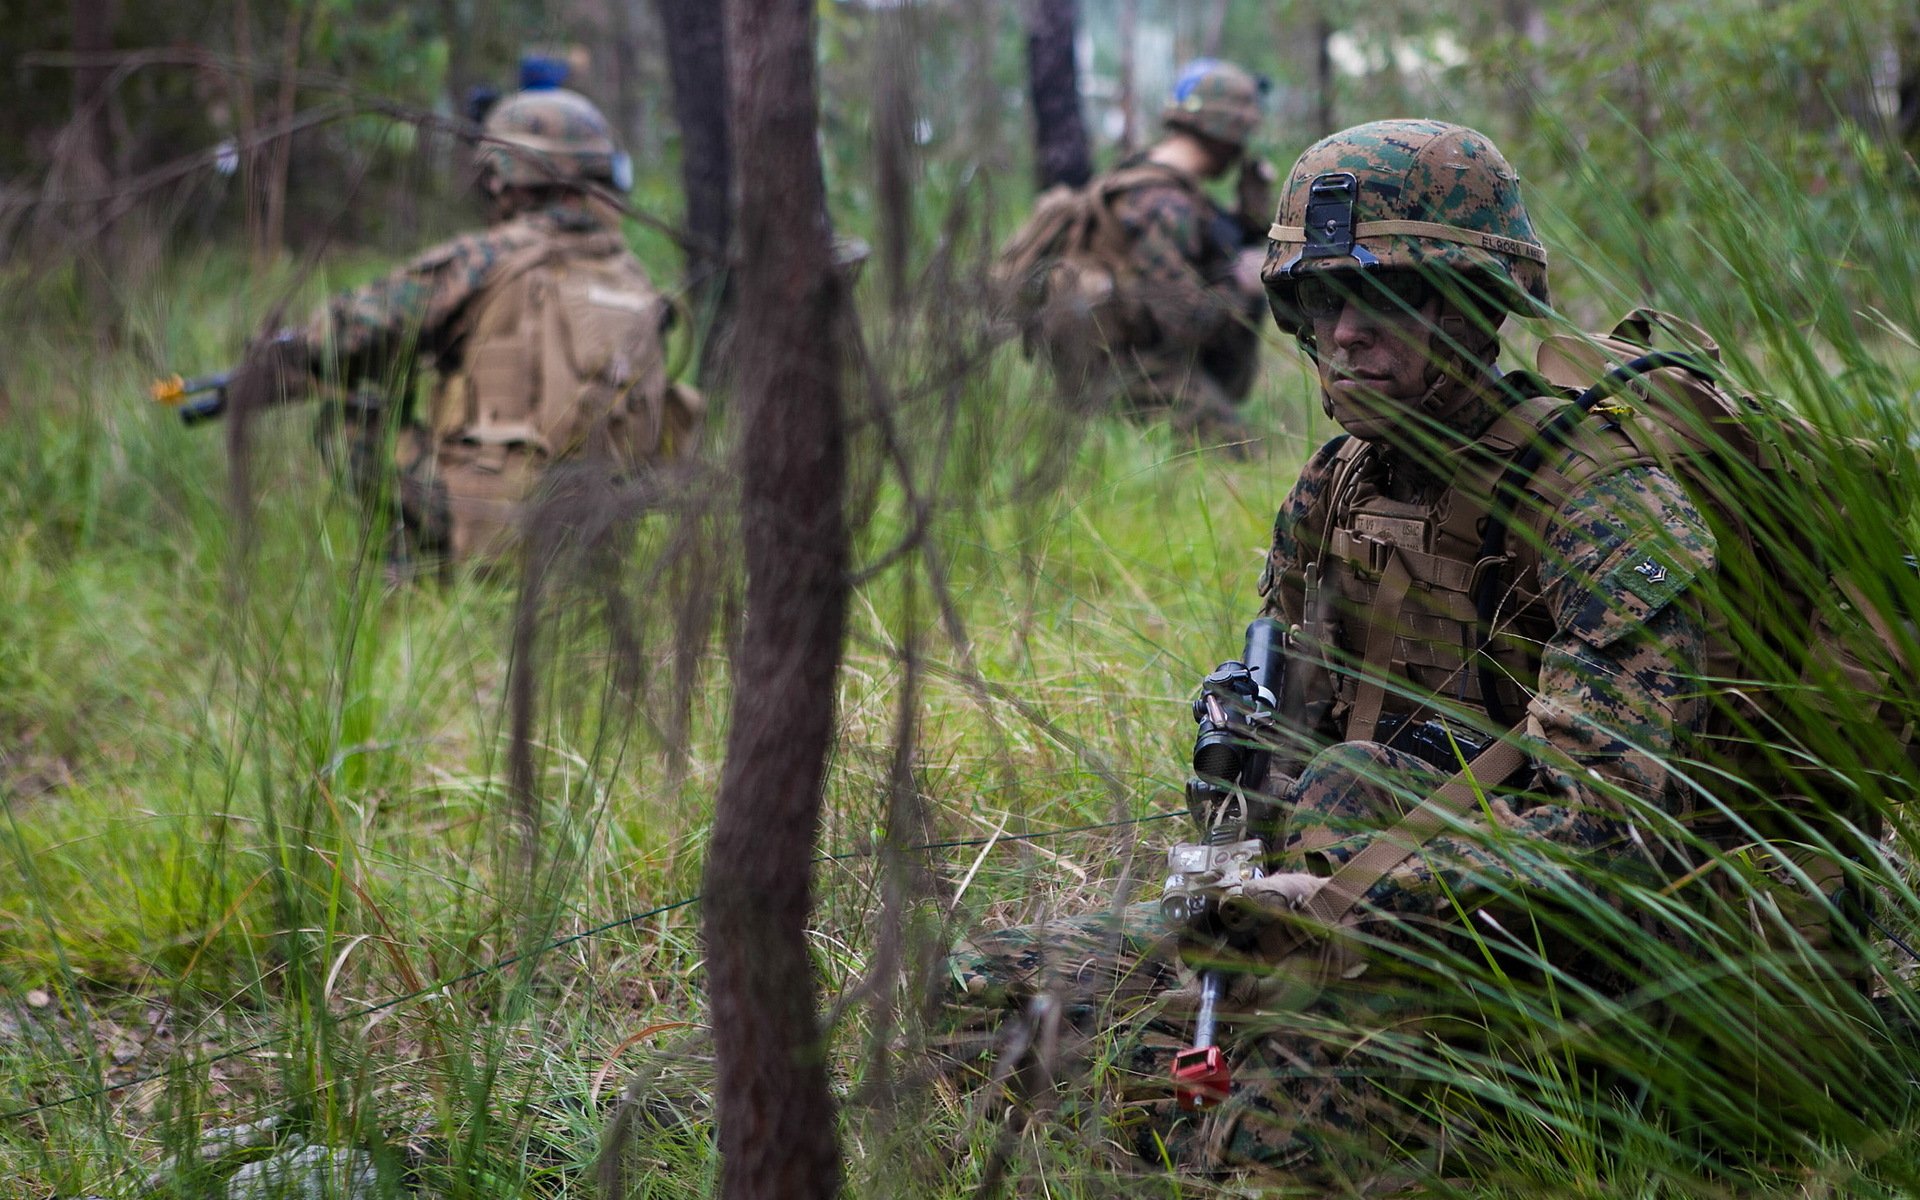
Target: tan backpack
{"x":1066,"y":276}
{"x":567,"y":358}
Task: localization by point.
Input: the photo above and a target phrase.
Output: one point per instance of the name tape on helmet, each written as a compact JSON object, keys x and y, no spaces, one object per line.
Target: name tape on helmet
{"x":1493,"y":242}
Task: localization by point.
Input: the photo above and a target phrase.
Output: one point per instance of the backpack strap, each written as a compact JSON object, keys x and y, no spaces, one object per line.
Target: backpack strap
{"x":1377,"y":658}
{"x":1450,"y":802}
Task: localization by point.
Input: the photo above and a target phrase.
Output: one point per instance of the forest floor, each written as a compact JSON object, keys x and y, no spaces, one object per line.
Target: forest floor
{"x":266,"y":864}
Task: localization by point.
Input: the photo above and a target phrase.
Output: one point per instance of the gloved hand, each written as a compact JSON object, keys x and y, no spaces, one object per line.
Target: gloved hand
{"x":1287,"y":959}
{"x":274,"y":369}
{"x":1253,"y":193}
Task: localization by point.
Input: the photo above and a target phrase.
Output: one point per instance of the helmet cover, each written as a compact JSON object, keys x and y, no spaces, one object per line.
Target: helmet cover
{"x":1215,"y":100}
{"x":547,"y":137}
{"x":1408,"y":195}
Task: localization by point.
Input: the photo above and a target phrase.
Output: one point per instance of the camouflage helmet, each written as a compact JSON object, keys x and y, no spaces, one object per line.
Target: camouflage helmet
{"x":1402,"y":195}
{"x":547,"y":137}
{"x":1215,"y":100}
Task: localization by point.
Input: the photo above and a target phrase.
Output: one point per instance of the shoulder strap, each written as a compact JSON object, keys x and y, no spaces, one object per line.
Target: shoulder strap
{"x":1450,"y":802}
{"x":1142,"y":174}
{"x":1377,"y":658}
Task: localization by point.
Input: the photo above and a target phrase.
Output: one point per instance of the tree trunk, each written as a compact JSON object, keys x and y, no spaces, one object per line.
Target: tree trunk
{"x":246,"y":122}
{"x":625,"y":62}
{"x":1323,"y":75}
{"x":1216,"y":28}
{"x":776,"y":1122}
{"x":1061,"y":154}
{"x":92,"y":131}
{"x":696,"y":45}
{"x":1129,"y":65}
{"x":459,"y":54}
{"x":1527,"y":24}
{"x":893,"y":70}
{"x":280,"y":160}
{"x":1906,"y":114}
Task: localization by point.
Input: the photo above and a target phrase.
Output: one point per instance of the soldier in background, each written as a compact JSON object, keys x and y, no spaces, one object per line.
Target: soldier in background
{"x":544,"y":330}
{"x":1141,"y":291}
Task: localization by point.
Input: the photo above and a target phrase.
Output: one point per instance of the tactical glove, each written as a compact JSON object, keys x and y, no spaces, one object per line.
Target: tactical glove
{"x":1288,"y":958}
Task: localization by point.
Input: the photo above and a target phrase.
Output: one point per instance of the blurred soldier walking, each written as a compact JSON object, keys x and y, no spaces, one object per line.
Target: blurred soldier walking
{"x":1140,"y":290}
{"x":545,"y":332}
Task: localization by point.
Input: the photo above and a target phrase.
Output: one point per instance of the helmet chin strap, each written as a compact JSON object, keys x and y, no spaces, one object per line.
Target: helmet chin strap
{"x":1458,"y":359}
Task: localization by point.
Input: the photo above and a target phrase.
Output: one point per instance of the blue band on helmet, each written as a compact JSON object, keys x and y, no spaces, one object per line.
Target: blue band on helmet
{"x":542,"y":72}
{"x":1191,"y":75}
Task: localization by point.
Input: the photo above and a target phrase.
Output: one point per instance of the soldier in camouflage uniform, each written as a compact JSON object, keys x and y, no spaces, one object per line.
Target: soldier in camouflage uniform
{"x":1399,"y":249}
{"x":462,"y":476}
{"x":1191,"y":279}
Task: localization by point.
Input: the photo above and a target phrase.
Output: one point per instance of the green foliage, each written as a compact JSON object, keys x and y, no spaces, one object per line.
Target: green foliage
{"x":252,"y":793}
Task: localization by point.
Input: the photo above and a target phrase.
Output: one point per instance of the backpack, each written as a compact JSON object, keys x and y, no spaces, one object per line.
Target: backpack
{"x":567,"y":358}
{"x":1065,"y":277}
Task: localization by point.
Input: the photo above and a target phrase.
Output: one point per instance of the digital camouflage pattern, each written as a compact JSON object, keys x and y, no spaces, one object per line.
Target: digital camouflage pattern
{"x":1610,"y":695}
{"x":1444,"y":175}
{"x":1615,"y":655}
{"x":546,"y":138}
{"x":1309,"y":1097}
{"x":1196,"y":350}
{"x":1602,"y":651}
{"x":1215,"y":100}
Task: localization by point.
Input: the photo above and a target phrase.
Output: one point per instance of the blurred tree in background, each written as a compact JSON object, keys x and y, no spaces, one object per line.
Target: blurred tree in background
{"x":292,"y":121}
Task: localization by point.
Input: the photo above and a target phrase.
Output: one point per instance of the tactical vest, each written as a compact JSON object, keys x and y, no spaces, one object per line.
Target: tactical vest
{"x":566,"y":356}
{"x":1405,"y":579}
{"x":1409,"y":576}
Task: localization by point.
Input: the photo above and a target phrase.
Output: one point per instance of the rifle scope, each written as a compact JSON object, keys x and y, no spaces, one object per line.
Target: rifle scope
{"x":1221,"y":751}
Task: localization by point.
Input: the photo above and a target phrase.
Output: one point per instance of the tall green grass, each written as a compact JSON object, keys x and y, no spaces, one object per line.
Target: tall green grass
{"x":250,"y":796}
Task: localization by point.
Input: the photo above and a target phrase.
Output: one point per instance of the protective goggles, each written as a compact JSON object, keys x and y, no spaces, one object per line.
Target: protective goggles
{"x":1320,"y":295}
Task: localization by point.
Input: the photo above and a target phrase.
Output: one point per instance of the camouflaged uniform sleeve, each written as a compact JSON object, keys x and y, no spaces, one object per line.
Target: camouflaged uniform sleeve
{"x":1619,"y":678}
{"x":1167,"y":227}
{"x":1299,"y":532}
{"x":411,"y":311}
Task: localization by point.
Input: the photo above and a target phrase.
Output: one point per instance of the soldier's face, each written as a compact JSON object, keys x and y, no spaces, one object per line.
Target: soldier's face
{"x":1374,"y":358}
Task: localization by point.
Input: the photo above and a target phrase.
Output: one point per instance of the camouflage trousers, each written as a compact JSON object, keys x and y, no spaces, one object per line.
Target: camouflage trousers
{"x":1325,"y":1092}
{"x":1199,"y":391}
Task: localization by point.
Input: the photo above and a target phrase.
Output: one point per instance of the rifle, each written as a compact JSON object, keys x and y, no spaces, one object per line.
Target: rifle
{"x":203,"y":398}
{"x":1254,"y":723}
{"x":1237,"y":711}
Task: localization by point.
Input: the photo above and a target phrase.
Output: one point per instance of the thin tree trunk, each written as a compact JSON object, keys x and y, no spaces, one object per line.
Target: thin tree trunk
{"x":776,"y":1122}
{"x":1216,"y":28}
{"x":1061,"y":154}
{"x":459,"y":54}
{"x":1129,"y":66}
{"x":893,"y":100}
{"x":983,"y":96}
{"x":1906,"y":114}
{"x":240,"y":86}
{"x":282,"y":152}
{"x":626,"y":73}
{"x":1323,"y":31}
{"x":92,"y":130}
{"x":1528,"y":26}
{"x":696,"y":45}
{"x":84,"y":164}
